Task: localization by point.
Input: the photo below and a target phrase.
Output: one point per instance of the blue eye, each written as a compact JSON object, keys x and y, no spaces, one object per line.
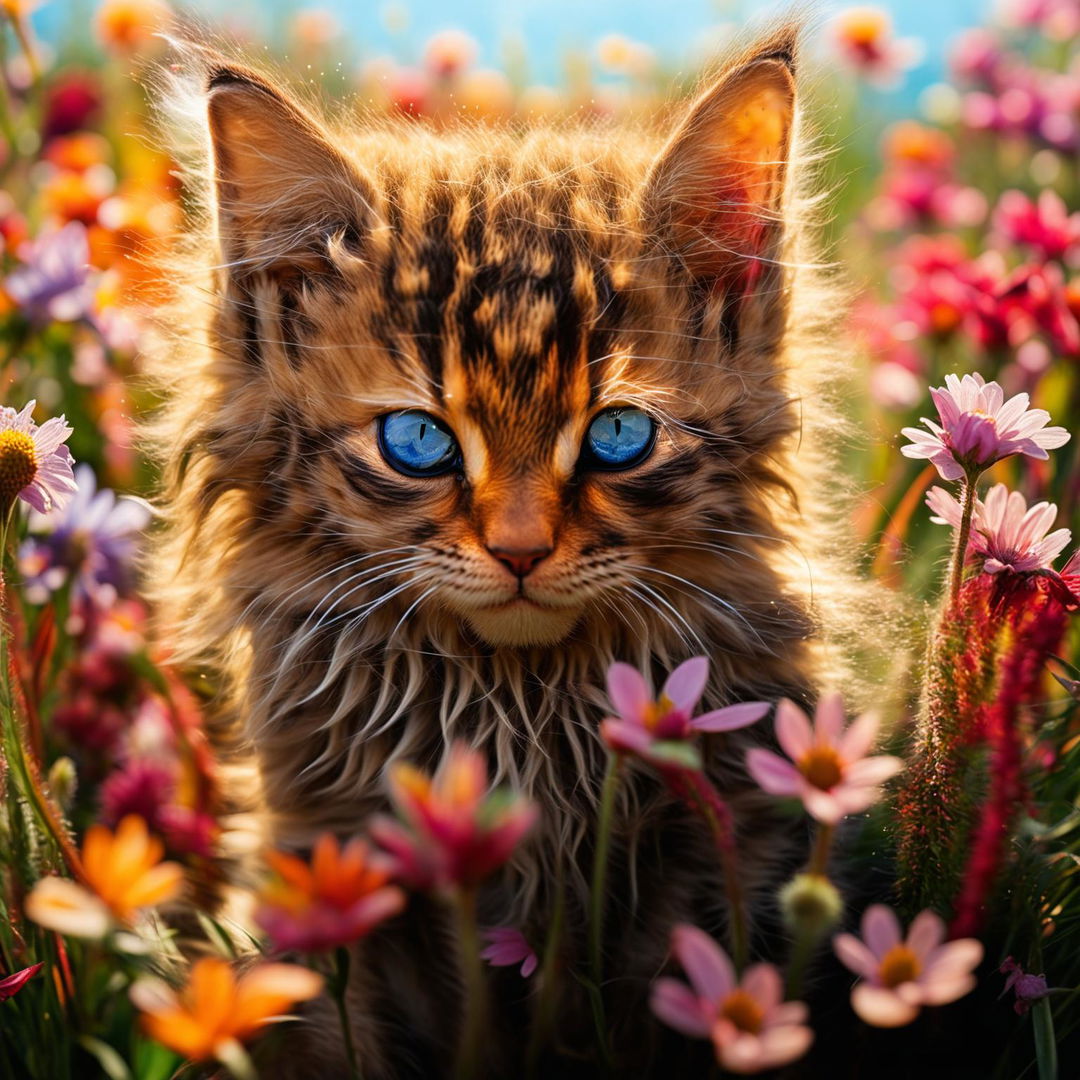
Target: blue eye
{"x":619,"y":438}
{"x":416,"y":444}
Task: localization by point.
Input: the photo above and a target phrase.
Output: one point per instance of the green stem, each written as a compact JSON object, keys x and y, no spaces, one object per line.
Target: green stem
{"x":819,"y":857}
{"x":544,"y":1014}
{"x":1042,"y":1019}
{"x":467,"y":1064}
{"x":801,"y":952}
{"x":956,"y":576}
{"x":339,"y":987}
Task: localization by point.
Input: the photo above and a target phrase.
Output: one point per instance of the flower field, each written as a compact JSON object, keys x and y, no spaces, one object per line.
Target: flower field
{"x":958,"y":799}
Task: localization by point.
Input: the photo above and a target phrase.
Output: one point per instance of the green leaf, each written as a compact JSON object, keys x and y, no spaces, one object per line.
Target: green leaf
{"x":110,"y":1061}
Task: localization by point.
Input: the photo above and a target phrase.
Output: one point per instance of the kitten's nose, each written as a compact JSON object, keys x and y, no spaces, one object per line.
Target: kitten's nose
{"x":520,"y":561}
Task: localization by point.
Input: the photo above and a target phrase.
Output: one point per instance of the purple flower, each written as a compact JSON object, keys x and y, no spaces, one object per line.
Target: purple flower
{"x":91,"y":541}
{"x":978,"y":427}
{"x":506,"y":946}
{"x":54,"y":285}
{"x":641,"y":721}
{"x":35,"y":465}
{"x":1027,"y":988}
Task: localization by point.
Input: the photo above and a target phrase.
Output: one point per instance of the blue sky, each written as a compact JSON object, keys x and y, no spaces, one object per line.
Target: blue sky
{"x":550,"y":27}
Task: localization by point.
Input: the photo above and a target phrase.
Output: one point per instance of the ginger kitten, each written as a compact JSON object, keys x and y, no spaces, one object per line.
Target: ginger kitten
{"x":455,"y":420}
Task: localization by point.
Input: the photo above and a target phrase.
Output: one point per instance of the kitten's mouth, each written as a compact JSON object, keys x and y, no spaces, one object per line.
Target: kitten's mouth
{"x":523,"y":621}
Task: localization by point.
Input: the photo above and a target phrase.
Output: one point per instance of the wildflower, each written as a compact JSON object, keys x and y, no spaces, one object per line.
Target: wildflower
{"x":35,"y":465}
{"x":452,"y":832}
{"x":1044,"y":225}
{"x":123,"y":873}
{"x":449,"y":52}
{"x":900,"y":975}
{"x":127,"y":25}
{"x":1005,"y":532}
{"x":863,"y":37}
{"x":751,"y":1028}
{"x":506,"y":946}
{"x":978,"y":427}
{"x":829,"y":767}
{"x":53,"y":285}
{"x":12,"y":984}
{"x":642,"y":722}
{"x":216,"y":1011}
{"x":90,"y":542}
{"x":1027,"y":988}
{"x":337,"y":898}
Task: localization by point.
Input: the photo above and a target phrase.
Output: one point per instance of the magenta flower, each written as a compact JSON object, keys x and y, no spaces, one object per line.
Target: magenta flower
{"x":1044,"y":226}
{"x":1005,"y":532}
{"x":978,"y":427}
{"x":900,"y":975}
{"x":829,"y":767}
{"x":35,"y":465}
{"x":642,"y":722}
{"x":506,"y":946}
{"x":452,"y":830}
{"x":1027,"y":988}
{"x":10,"y":985}
{"x":863,"y":38}
{"x":751,"y":1026}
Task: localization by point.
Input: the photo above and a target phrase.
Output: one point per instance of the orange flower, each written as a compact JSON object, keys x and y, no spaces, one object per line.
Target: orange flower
{"x":123,"y":873}
{"x":126,"y":25}
{"x":339,"y":897}
{"x":215,"y":1011}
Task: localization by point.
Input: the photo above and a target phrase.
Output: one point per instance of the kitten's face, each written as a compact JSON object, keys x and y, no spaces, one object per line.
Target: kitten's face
{"x":516,"y":380}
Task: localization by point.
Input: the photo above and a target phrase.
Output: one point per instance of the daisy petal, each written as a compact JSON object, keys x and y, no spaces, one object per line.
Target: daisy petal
{"x":686,"y":683}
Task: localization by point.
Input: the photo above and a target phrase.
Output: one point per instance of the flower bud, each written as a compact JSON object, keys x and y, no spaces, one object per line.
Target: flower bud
{"x":63,"y":782}
{"x":811,"y":905}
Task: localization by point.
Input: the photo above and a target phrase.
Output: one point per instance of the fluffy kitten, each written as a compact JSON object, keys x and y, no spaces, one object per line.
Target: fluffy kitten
{"x":358,"y":607}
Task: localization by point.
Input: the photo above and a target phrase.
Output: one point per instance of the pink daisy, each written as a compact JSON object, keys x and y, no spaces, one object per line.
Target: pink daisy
{"x":900,"y":975}
{"x":506,"y":947}
{"x":829,"y":767}
{"x":1006,"y":533}
{"x":35,"y":465}
{"x":978,"y":427}
{"x":751,"y":1026}
{"x":643,"y":721}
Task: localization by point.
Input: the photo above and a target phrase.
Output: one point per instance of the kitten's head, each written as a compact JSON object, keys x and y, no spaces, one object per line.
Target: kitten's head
{"x":524,"y":382}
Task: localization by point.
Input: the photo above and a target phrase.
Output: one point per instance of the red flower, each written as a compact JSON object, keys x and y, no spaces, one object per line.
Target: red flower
{"x":12,"y":984}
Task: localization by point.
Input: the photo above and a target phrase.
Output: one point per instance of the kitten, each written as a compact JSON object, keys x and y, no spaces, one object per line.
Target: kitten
{"x":455,"y":420}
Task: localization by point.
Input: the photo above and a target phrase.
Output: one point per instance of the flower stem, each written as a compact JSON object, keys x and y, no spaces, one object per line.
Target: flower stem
{"x":717,"y":815}
{"x":339,"y":986}
{"x":1042,"y":1019}
{"x":549,"y":980}
{"x":956,"y":576}
{"x":819,"y":857}
{"x":467,"y":1064}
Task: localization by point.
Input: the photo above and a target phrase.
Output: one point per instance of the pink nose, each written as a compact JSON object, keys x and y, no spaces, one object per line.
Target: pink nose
{"x":520,"y":562}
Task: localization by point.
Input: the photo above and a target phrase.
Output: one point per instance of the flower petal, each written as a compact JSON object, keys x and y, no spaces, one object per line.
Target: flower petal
{"x":628,"y":691}
{"x":880,"y":1007}
{"x":686,"y":683}
{"x":705,"y":963}
{"x":762,"y":982}
{"x":855,"y":956}
{"x":880,"y":929}
{"x":871,"y":771}
{"x":926,"y":933}
{"x":858,"y":740}
{"x":772,"y":773}
{"x":680,"y":1008}
{"x":793,"y":730}
{"x":731,"y":717}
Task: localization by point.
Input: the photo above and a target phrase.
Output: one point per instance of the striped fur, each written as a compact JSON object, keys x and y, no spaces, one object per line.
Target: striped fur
{"x":511,"y":283}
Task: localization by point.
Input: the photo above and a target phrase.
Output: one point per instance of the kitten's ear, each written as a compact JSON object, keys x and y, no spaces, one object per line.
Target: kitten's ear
{"x":715,"y":194}
{"x":281,"y":187}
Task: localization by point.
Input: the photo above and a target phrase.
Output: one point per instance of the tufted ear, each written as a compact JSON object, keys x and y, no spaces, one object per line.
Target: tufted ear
{"x":715,"y":194}
{"x":282,"y":189}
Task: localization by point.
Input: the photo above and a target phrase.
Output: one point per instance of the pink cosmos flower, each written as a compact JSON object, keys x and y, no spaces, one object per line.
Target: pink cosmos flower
{"x":506,"y":946}
{"x":35,"y":465}
{"x":1005,"y":532}
{"x":978,"y":427}
{"x":12,"y":984}
{"x":829,"y":767}
{"x":750,"y":1025}
{"x":900,"y":975}
{"x":642,"y":722}
{"x":452,"y":830}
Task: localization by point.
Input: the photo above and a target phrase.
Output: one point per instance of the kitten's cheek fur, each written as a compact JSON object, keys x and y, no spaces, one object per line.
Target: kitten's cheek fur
{"x":522,"y":626}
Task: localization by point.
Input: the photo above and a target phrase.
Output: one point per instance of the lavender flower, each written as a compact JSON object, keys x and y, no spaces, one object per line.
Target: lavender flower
{"x":54,"y":285}
{"x":35,"y":465}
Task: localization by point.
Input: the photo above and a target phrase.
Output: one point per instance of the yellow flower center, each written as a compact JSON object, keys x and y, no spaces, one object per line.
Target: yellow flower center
{"x":899,"y":965}
{"x":743,"y":1011}
{"x":821,"y":767}
{"x":864,"y":26}
{"x":656,"y":710}
{"x":18,"y":464}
